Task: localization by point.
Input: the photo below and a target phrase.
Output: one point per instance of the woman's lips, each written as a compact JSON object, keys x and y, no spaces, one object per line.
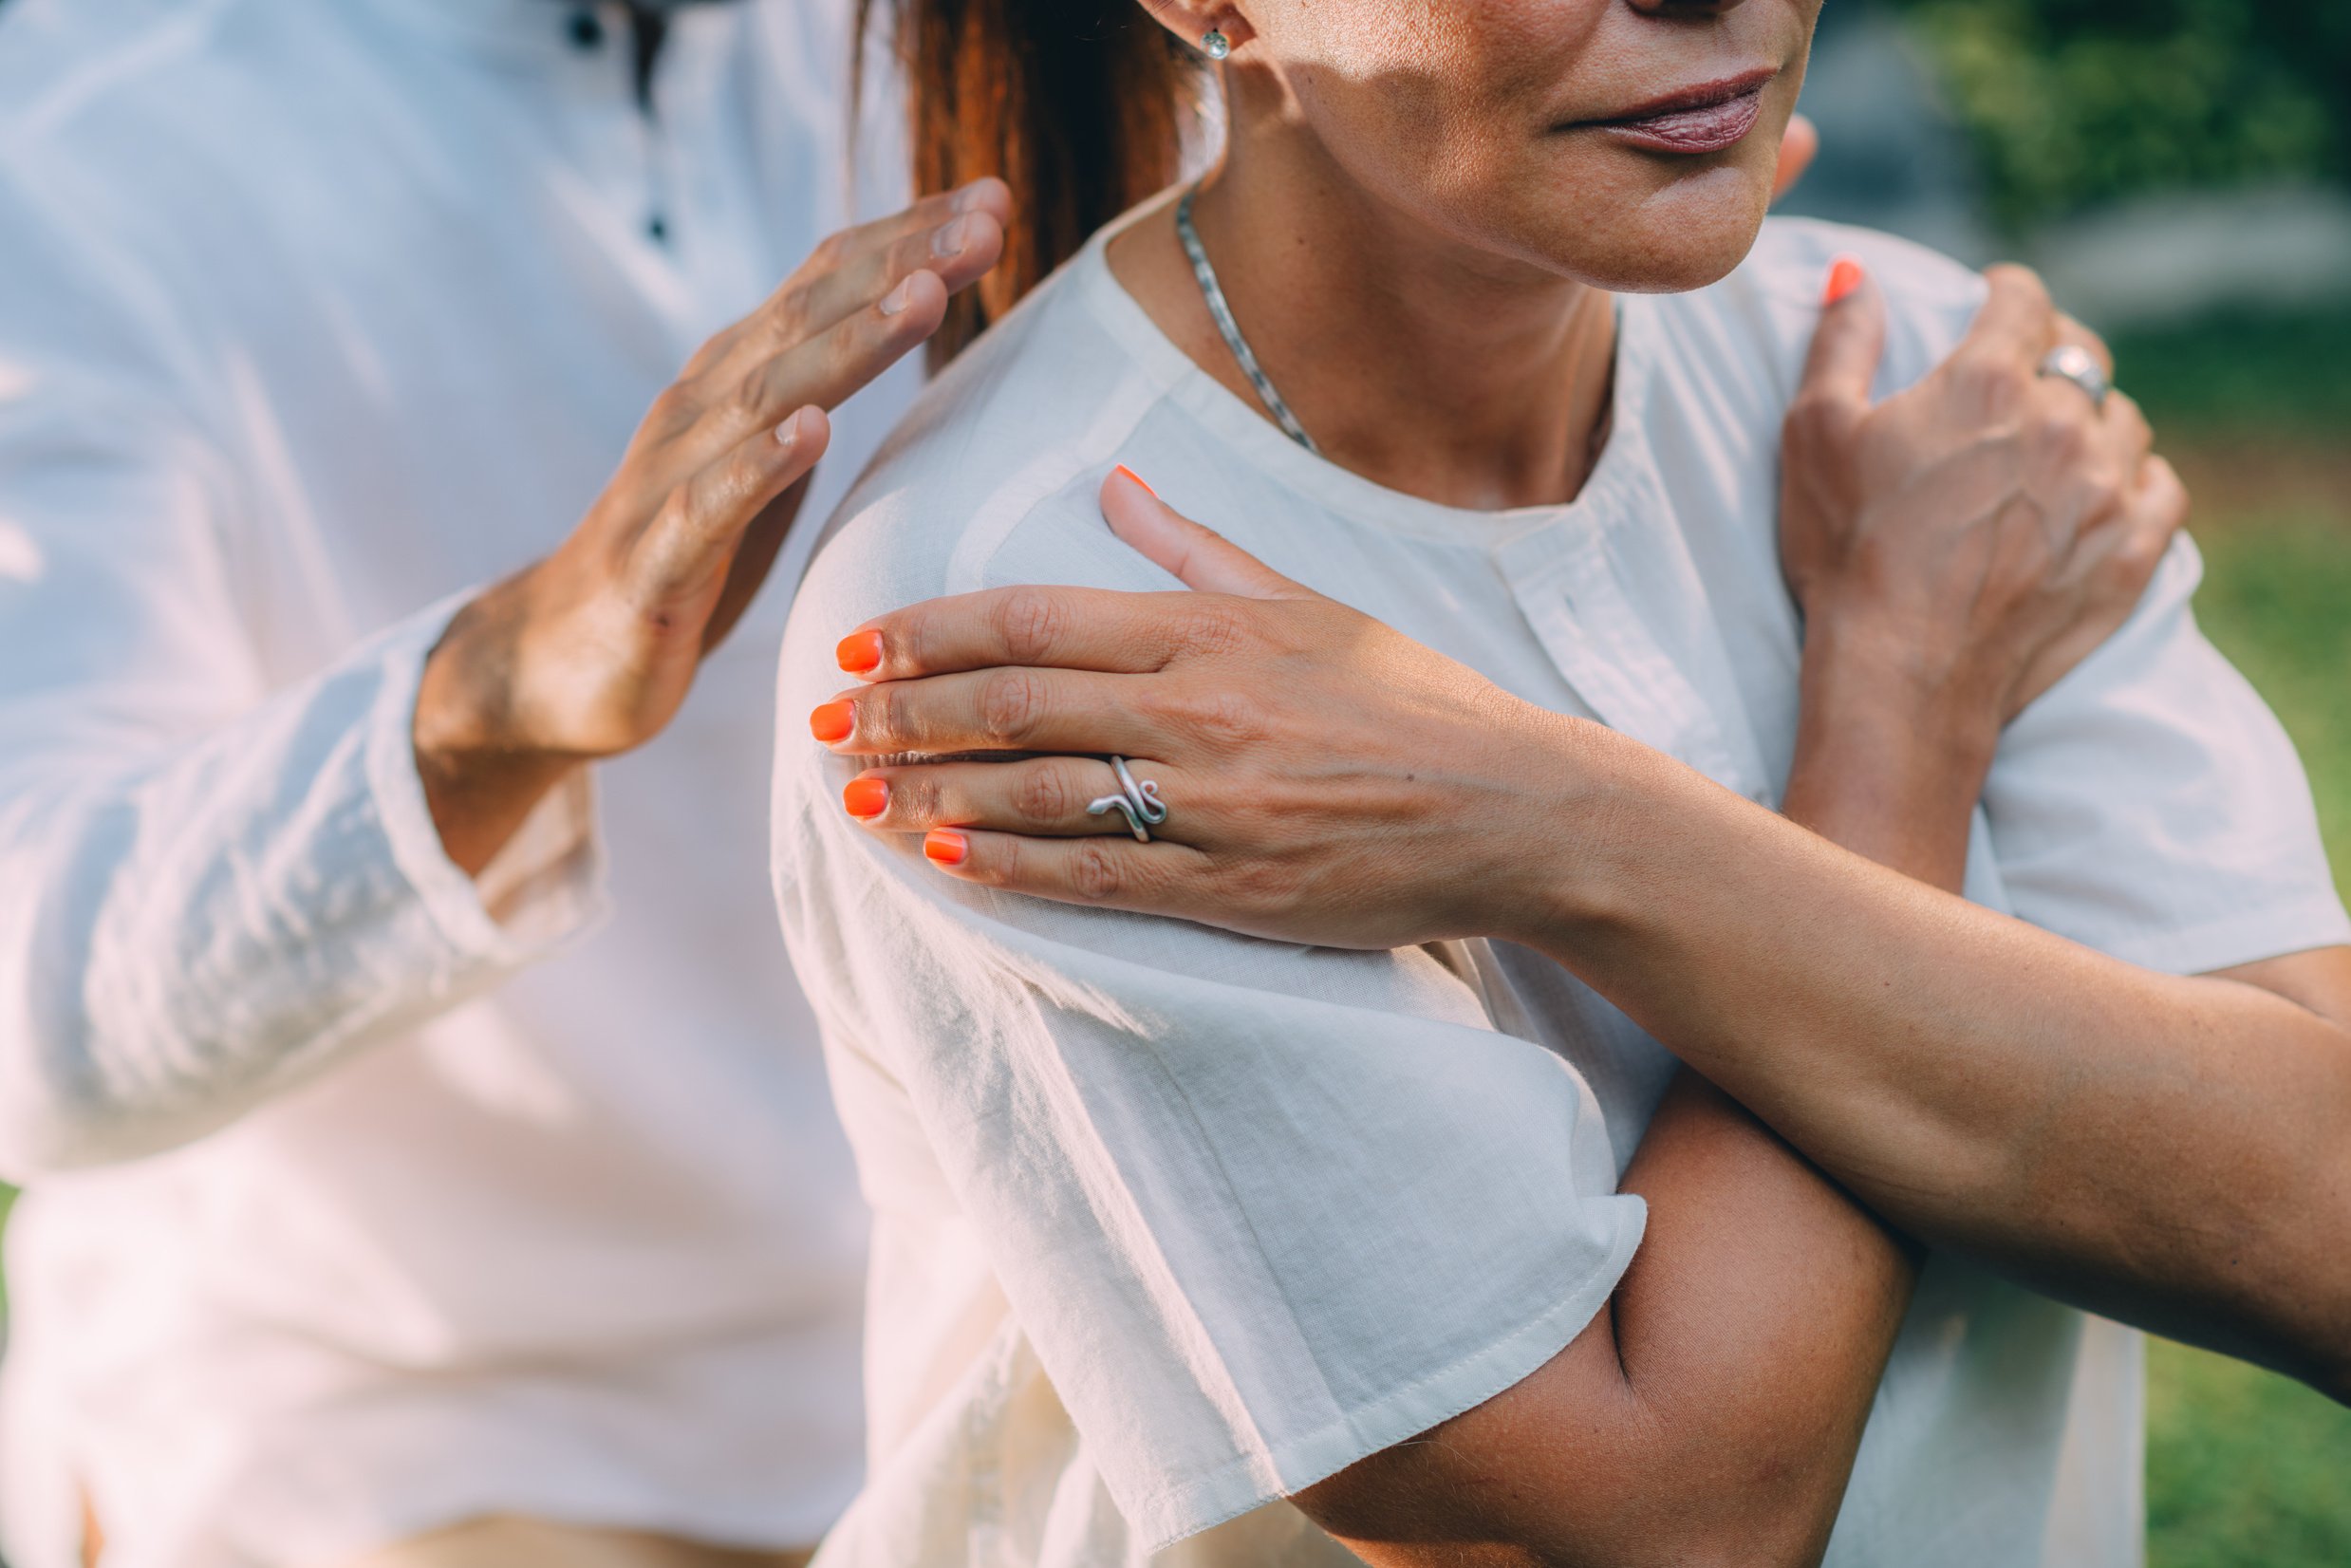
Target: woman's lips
{"x":1707,"y":126}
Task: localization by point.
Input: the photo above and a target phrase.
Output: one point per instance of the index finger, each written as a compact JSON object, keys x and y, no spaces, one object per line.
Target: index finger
{"x":2018,"y":321}
{"x":1054,"y":627}
{"x":837,"y":276}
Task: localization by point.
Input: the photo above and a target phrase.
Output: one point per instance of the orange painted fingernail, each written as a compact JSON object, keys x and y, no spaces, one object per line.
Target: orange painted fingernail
{"x":1845,"y":276}
{"x":833,"y":721}
{"x":866,"y":799}
{"x":1137,"y":478}
{"x":860,"y":652}
{"x":946,"y":846}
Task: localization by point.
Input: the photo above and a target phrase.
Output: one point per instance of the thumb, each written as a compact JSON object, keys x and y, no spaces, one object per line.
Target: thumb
{"x":1798,"y":145}
{"x":1846,"y":347}
{"x":1204,"y":559}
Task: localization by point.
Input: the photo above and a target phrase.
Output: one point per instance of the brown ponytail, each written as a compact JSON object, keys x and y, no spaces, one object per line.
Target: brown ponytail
{"x":1078,"y":105}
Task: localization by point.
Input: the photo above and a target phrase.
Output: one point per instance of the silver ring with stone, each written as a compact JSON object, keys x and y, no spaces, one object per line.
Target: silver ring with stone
{"x":2073,"y":362}
{"x":1138,"y":802}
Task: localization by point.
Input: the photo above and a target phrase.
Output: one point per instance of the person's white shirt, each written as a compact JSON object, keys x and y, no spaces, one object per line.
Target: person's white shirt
{"x":1172,"y":1222}
{"x":312,"y":316}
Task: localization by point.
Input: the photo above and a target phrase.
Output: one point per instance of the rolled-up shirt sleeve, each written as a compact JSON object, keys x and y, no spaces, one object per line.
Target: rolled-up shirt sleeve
{"x":1261,"y":1209}
{"x":212,"y":884}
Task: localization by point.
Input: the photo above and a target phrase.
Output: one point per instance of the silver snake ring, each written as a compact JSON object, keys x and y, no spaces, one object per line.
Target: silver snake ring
{"x":1139,"y":803}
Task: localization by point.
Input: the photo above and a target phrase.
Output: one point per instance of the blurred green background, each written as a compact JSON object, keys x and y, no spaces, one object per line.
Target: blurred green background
{"x":2073,"y":103}
{"x":2245,"y":1470}
{"x":2036,"y":118}
{"x":2151,"y":121}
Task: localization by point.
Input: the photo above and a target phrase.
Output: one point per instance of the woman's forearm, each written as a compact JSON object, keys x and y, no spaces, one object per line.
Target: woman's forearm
{"x":1710,"y":1413}
{"x":2173,"y":1151}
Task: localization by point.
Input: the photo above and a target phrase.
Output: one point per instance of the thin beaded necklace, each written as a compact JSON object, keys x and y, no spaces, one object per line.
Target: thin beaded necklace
{"x":1221,"y":310}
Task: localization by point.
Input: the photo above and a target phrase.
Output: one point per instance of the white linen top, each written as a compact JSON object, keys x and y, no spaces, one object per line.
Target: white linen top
{"x":311,"y":317}
{"x":1172,"y":1222}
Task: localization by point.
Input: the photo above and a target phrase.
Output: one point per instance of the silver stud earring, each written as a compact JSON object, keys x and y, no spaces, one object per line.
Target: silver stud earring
{"x":1215,"y":44}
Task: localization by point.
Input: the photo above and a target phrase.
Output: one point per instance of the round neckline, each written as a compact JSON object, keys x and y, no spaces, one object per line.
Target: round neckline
{"x":1242,"y":429}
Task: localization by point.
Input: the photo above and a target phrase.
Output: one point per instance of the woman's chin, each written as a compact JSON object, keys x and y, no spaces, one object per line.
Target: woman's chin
{"x":1686,"y":236}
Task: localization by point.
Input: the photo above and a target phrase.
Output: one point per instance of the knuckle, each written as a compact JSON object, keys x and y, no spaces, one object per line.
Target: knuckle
{"x":1094,"y":872}
{"x":1812,"y":423}
{"x":1030,"y":621}
{"x":1012,"y":703}
{"x":2021,"y":281}
{"x":2103,"y":496}
{"x":1044,"y":797}
{"x":1266,"y":885}
{"x":2129,"y":421}
{"x":914,"y":798}
{"x":1808,"y":410}
{"x":2061,"y":435}
{"x":680,"y":509}
{"x":881,"y":715}
{"x":831,"y":251}
{"x":2141,"y":552}
{"x":749,"y":397}
{"x":1995,"y":382}
{"x":786,"y":319}
{"x":2174,"y":504}
{"x":1004,"y":864}
{"x":1228,"y":718}
{"x":1218,"y":628}
{"x":672,"y":408}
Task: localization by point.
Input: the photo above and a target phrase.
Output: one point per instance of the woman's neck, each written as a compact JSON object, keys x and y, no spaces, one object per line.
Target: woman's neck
{"x":1411,"y":358}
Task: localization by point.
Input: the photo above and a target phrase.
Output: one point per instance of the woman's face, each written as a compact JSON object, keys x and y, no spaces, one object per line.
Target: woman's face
{"x":1625,"y":143}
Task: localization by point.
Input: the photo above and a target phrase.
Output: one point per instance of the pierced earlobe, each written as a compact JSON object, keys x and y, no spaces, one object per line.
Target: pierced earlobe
{"x":1215,"y":44}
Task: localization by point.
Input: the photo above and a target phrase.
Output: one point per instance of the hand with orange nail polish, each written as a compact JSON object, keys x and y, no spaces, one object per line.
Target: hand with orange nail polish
{"x":1955,"y":549}
{"x":1231,"y":701}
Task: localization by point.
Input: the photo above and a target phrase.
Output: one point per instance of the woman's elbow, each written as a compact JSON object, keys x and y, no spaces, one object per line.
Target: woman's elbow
{"x":1433,"y":1504}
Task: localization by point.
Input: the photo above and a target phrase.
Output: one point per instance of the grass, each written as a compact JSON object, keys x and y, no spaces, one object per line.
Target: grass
{"x":2247,"y":1469}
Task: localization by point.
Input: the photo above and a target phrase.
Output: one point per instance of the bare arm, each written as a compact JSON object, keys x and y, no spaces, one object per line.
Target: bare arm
{"x":2173,"y":1151}
{"x":216,"y":883}
{"x":1712,"y":1410}
{"x":589,"y":652}
{"x":1710,"y":1413}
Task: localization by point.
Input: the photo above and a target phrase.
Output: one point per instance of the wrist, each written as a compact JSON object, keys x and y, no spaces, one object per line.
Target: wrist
{"x":1890,"y":759}
{"x":481,"y":776}
{"x":1578,"y":848}
{"x":1864,"y":678}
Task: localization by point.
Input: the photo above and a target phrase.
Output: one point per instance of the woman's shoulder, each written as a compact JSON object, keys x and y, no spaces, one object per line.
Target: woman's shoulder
{"x":1765,"y":312}
{"x":1005,"y":449}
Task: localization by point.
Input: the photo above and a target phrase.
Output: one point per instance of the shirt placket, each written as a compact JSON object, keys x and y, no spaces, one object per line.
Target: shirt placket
{"x":1574,"y":598}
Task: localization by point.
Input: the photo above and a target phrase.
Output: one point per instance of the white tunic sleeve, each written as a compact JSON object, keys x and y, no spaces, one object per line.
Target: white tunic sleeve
{"x":1261,"y":1209}
{"x":2151,"y":806}
{"x":209,"y":887}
